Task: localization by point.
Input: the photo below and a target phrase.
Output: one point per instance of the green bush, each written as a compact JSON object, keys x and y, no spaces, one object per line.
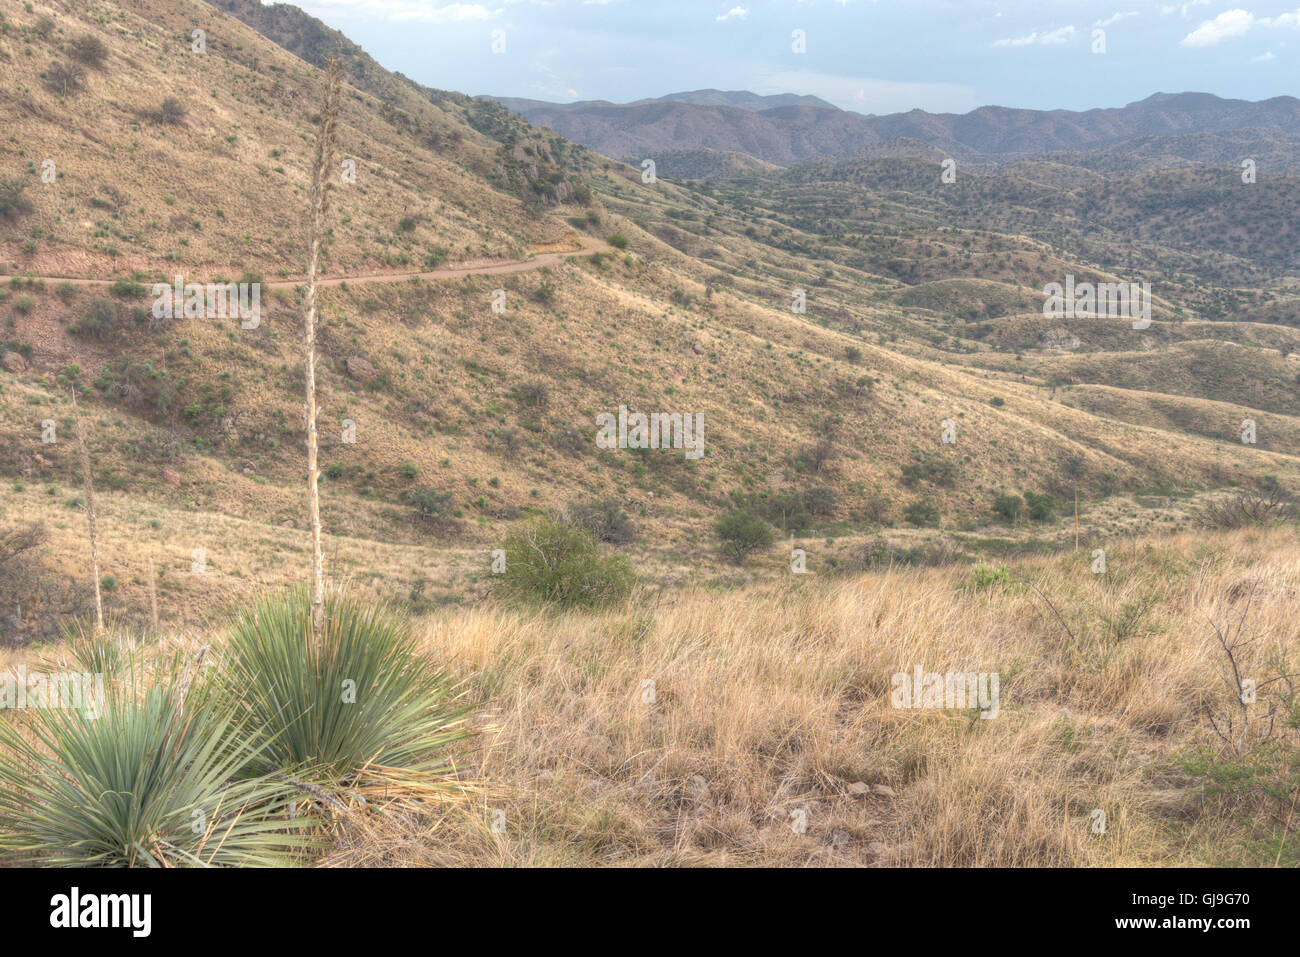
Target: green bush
{"x":1010,"y":507}
{"x":156,"y":780}
{"x":357,"y":708}
{"x":99,"y":322}
{"x":126,"y":289}
{"x":618,"y":241}
{"x":429,"y":502}
{"x":24,"y":304}
{"x":552,"y":561}
{"x":1042,"y":507}
{"x":922,"y":513}
{"x":12,"y":201}
{"x":939,"y":471}
{"x":743,"y":533}
{"x":605,"y":520}
{"x":986,"y":576}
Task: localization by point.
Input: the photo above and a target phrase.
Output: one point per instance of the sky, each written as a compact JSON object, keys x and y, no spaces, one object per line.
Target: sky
{"x":872,"y":56}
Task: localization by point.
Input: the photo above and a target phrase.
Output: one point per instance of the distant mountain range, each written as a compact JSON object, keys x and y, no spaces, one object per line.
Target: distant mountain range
{"x":788,"y":129}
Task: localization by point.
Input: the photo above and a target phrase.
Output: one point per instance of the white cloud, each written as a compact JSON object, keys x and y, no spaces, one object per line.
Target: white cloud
{"x":1263,"y":57}
{"x":735,"y":13}
{"x":1115,"y":18}
{"x":1236,"y":23}
{"x":1182,"y":9}
{"x":1229,"y":24}
{"x":1050,"y":38}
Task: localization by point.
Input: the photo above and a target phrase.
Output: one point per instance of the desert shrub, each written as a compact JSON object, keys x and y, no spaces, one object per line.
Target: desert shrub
{"x":138,"y":385}
{"x":532,"y":395}
{"x":876,"y":552}
{"x":571,"y":441}
{"x":815,"y":457}
{"x":1009,"y":507}
{"x":64,"y":78}
{"x":24,"y":304}
{"x":19,"y":546}
{"x":821,"y":501}
{"x":126,"y":289}
{"x":922,"y":513}
{"x":552,"y":561}
{"x":1041,"y":506}
{"x":429,"y":502}
{"x":1249,"y":509}
{"x":618,"y":241}
{"x":742,"y":533}
{"x":876,"y":509}
{"x":126,"y":788}
{"x":66,"y":291}
{"x":99,"y":322}
{"x":171,"y":111}
{"x":12,"y":201}
{"x":988,"y":576}
{"x":935,"y":469}
{"x":88,"y":49}
{"x":789,"y":510}
{"x":605,"y":520}
{"x":361,"y":708}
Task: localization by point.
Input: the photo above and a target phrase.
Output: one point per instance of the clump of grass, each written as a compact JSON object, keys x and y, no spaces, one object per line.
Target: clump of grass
{"x":359,"y":708}
{"x":154,"y":781}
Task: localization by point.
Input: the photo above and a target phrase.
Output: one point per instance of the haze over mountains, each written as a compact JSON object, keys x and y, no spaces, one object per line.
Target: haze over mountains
{"x":1196,"y":127}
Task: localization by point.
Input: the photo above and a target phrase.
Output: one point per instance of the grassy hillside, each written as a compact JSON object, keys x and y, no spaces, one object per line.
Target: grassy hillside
{"x":913,"y":320}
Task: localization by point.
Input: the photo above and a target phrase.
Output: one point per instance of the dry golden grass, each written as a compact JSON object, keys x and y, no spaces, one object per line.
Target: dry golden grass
{"x":771,"y":701}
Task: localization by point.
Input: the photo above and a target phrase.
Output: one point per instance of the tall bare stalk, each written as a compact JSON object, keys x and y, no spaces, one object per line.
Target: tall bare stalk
{"x":320,"y":188}
{"x":90,"y":513}
{"x":153,"y":596}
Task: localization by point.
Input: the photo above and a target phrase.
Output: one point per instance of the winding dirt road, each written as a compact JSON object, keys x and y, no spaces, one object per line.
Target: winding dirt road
{"x":551,"y":257}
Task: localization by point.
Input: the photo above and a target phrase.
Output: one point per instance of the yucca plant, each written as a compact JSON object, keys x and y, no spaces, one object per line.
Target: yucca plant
{"x":155,"y":780}
{"x":360,"y":708}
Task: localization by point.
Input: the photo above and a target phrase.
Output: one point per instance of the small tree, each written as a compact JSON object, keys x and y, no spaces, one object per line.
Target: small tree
{"x":742,"y":534}
{"x":171,"y":111}
{"x":605,"y":520}
{"x":12,"y":201}
{"x":429,"y":502}
{"x":64,"y":78}
{"x":1042,"y":507}
{"x":553,"y":561}
{"x":1009,"y":506}
{"x":88,"y":49}
{"x":922,"y":513}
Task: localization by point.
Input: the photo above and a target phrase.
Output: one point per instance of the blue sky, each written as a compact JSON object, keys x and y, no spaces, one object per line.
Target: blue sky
{"x":873,"y":56}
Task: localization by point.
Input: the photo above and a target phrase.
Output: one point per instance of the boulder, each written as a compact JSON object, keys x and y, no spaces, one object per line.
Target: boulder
{"x":360,"y":369}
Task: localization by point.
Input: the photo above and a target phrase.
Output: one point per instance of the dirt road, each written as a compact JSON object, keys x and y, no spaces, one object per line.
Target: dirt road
{"x":551,"y":257}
